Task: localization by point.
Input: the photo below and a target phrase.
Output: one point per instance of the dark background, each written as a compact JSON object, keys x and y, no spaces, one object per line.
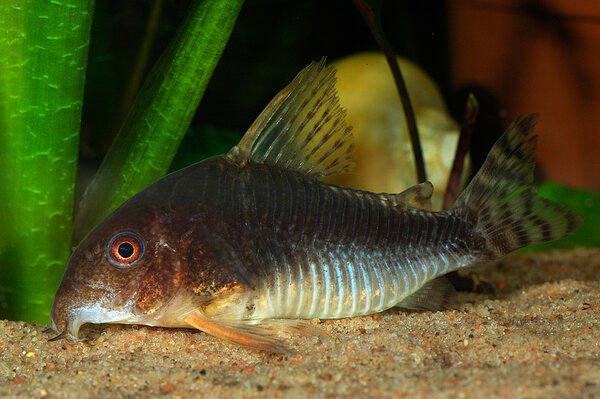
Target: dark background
{"x":272,"y":41}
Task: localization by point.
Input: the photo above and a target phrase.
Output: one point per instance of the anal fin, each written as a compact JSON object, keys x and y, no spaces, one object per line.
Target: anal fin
{"x":436,"y":294}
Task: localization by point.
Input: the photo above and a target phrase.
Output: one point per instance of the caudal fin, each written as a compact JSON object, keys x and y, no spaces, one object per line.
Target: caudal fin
{"x":510,"y":214}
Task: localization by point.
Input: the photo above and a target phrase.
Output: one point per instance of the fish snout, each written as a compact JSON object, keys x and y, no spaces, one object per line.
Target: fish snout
{"x":62,"y":309}
{"x":76,"y":304}
{"x":70,"y":309}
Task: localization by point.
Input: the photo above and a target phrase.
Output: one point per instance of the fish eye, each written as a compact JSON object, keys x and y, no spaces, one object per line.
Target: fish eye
{"x":124,"y":249}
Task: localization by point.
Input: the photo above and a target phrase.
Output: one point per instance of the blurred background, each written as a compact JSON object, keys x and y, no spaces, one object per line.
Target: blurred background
{"x":271,"y":43}
{"x":517,"y":57}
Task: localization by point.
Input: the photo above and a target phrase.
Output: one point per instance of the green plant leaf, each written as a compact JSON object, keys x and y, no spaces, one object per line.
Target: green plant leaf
{"x":163,"y":109}
{"x":43,"y":54}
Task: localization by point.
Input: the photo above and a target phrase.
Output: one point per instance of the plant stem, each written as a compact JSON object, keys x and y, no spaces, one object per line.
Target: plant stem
{"x":160,"y":116}
{"x":462,"y":148}
{"x":137,"y":74}
{"x":371,"y":12}
{"x":43,"y":55}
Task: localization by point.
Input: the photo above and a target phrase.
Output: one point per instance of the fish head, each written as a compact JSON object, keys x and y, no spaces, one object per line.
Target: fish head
{"x":124,"y":271}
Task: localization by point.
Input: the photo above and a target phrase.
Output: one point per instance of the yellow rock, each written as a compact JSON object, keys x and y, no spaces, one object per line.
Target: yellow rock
{"x":384,"y":157}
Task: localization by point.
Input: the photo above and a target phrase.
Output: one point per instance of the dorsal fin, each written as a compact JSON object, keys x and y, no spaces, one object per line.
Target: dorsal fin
{"x":418,"y":196}
{"x":303,"y":128}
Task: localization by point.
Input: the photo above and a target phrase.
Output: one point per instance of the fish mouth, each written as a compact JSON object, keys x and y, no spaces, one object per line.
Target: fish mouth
{"x":93,"y":314}
{"x":77,"y":303}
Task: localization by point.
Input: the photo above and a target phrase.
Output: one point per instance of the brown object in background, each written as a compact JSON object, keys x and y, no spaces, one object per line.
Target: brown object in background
{"x":538,"y":56}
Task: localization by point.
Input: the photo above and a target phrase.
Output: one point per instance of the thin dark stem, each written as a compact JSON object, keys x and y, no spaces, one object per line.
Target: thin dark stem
{"x":368,"y":10}
{"x":463,"y":146}
{"x":141,"y":63}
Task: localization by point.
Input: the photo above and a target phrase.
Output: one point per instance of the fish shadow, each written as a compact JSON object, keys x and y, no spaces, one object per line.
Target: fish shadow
{"x":519,"y":271}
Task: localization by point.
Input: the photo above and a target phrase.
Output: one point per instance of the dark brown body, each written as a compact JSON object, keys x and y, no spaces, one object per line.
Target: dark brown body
{"x":259,"y":227}
{"x":215,"y":227}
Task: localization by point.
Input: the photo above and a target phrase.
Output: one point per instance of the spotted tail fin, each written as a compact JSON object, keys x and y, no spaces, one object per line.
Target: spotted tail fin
{"x":510,"y":214}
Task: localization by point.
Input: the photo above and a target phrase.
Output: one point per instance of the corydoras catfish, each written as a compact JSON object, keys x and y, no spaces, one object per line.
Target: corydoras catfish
{"x":244,"y":244}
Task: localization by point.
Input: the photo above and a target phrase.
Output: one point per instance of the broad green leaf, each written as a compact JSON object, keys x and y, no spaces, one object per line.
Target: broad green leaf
{"x":163,"y":109}
{"x":43,"y":54}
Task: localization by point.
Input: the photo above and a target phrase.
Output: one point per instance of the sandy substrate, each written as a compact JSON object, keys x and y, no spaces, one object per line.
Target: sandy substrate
{"x":537,"y":336}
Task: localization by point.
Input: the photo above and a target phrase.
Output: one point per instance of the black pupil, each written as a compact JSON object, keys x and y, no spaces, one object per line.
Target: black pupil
{"x":126,"y":250}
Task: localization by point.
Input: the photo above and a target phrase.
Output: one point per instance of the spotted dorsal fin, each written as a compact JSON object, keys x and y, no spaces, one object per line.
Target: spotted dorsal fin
{"x":303,"y":128}
{"x":418,"y":196}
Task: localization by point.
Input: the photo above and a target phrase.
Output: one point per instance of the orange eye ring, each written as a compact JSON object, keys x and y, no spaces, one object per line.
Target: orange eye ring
{"x":125,"y":249}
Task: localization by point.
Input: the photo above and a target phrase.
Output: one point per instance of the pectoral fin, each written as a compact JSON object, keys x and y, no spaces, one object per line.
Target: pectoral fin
{"x":240,"y":332}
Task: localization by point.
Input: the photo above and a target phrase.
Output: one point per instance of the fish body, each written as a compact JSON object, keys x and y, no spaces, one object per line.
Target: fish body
{"x":234,"y":244}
